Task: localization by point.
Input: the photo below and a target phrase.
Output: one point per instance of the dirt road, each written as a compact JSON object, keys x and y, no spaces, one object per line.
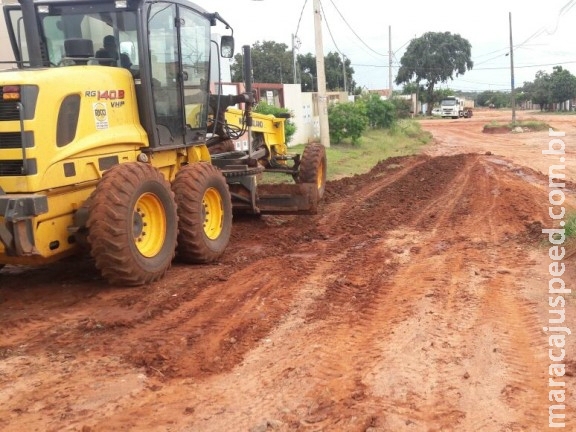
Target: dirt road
{"x":414,"y":301}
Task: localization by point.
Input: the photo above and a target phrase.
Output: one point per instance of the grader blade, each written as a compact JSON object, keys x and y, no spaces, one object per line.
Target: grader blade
{"x":299,"y":198}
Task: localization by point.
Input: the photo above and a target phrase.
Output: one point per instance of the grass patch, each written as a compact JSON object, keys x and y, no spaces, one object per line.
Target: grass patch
{"x":531,"y":125}
{"x":347,"y":159}
{"x":570,"y":227}
{"x":554,"y":113}
{"x":570,"y":233}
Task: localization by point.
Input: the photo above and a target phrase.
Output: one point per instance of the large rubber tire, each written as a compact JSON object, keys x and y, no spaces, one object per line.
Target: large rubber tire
{"x":204,"y":211}
{"x":313,"y":165}
{"x":132,"y":224}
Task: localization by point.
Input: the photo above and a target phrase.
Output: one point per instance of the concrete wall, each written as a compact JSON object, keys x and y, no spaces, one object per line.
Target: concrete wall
{"x":304,"y":107}
{"x":304,"y":114}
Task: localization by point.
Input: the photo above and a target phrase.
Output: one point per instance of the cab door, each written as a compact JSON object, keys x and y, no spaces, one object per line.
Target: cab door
{"x":179,"y":44}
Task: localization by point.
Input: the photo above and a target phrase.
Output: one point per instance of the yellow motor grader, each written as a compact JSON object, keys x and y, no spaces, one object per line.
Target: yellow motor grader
{"x":115,"y":149}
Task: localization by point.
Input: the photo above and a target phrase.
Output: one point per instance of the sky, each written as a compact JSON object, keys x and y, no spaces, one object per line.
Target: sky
{"x":543,"y":34}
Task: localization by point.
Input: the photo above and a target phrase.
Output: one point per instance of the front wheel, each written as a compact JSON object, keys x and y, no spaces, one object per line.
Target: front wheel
{"x":204,"y":211}
{"x":132,"y":224}
{"x":313,"y":167}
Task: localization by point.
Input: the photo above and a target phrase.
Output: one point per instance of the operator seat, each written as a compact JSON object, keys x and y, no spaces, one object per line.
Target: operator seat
{"x":79,"y":50}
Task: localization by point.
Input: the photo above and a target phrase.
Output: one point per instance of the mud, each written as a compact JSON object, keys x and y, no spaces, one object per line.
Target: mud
{"x":413,"y":301}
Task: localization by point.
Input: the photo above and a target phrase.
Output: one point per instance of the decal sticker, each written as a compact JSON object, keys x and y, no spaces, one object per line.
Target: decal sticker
{"x":100,"y":115}
{"x":106,"y":94}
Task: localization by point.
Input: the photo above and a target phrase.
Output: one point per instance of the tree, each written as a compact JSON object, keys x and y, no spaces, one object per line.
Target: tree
{"x":539,"y":90}
{"x":271,"y":63}
{"x":335,"y":69}
{"x":413,"y":88}
{"x":562,"y":85}
{"x":434,"y":58}
{"x":497,"y":99}
{"x":307,"y":72}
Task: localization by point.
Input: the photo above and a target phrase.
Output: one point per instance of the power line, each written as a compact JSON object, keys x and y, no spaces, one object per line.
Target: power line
{"x":403,"y":45}
{"x":563,"y":10}
{"x":300,"y":19}
{"x":330,"y":31}
{"x":481,"y":59}
{"x":530,"y":66}
{"x":472,"y":70}
{"x":355,"y":34}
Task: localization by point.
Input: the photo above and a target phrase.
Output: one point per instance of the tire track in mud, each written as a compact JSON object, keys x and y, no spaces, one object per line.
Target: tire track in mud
{"x":52,"y":315}
{"x":447,"y":202}
{"x":515,"y":322}
{"x":451,"y":306}
{"x":342,"y":311}
{"x":411,"y":298}
{"x":282,"y":355}
{"x":377,"y":314}
{"x":212,"y":332}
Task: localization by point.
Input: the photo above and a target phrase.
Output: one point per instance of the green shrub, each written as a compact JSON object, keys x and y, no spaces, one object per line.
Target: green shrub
{"x":289,"y":126}
{"x":347,"y":120}
{"x":402,"y":107}
{"x":381,"y":113}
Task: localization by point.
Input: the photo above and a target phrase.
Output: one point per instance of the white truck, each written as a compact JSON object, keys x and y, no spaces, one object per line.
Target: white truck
{"x":456,"y":107}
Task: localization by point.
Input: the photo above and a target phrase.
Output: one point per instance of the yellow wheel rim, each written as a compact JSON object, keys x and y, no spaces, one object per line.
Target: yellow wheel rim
{"x":212,"y":213}
{"x":320,"y":176}
{"x":149,"y":225}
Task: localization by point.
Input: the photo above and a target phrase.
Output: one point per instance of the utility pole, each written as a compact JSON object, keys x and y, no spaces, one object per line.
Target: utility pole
{"x":390,"y":59}
{"x":294,"y":57}
{"x":321,"y":77}
{"x":512,"y":94}
{"x":344,"y":71}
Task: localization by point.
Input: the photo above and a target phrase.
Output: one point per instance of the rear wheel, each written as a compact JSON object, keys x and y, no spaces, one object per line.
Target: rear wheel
{"x":204,"y":212}
{"x":313,"y":167}
{"x":132,"y":225}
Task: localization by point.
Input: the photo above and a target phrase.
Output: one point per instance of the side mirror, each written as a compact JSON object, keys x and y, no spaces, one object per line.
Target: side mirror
{"x":227,"y":46}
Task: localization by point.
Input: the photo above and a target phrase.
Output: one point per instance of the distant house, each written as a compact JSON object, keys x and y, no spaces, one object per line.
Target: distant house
{"x":384,"y":93}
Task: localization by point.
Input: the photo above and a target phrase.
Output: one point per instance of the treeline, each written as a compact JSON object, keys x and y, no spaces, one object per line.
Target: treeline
{"x":548,"y":90}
